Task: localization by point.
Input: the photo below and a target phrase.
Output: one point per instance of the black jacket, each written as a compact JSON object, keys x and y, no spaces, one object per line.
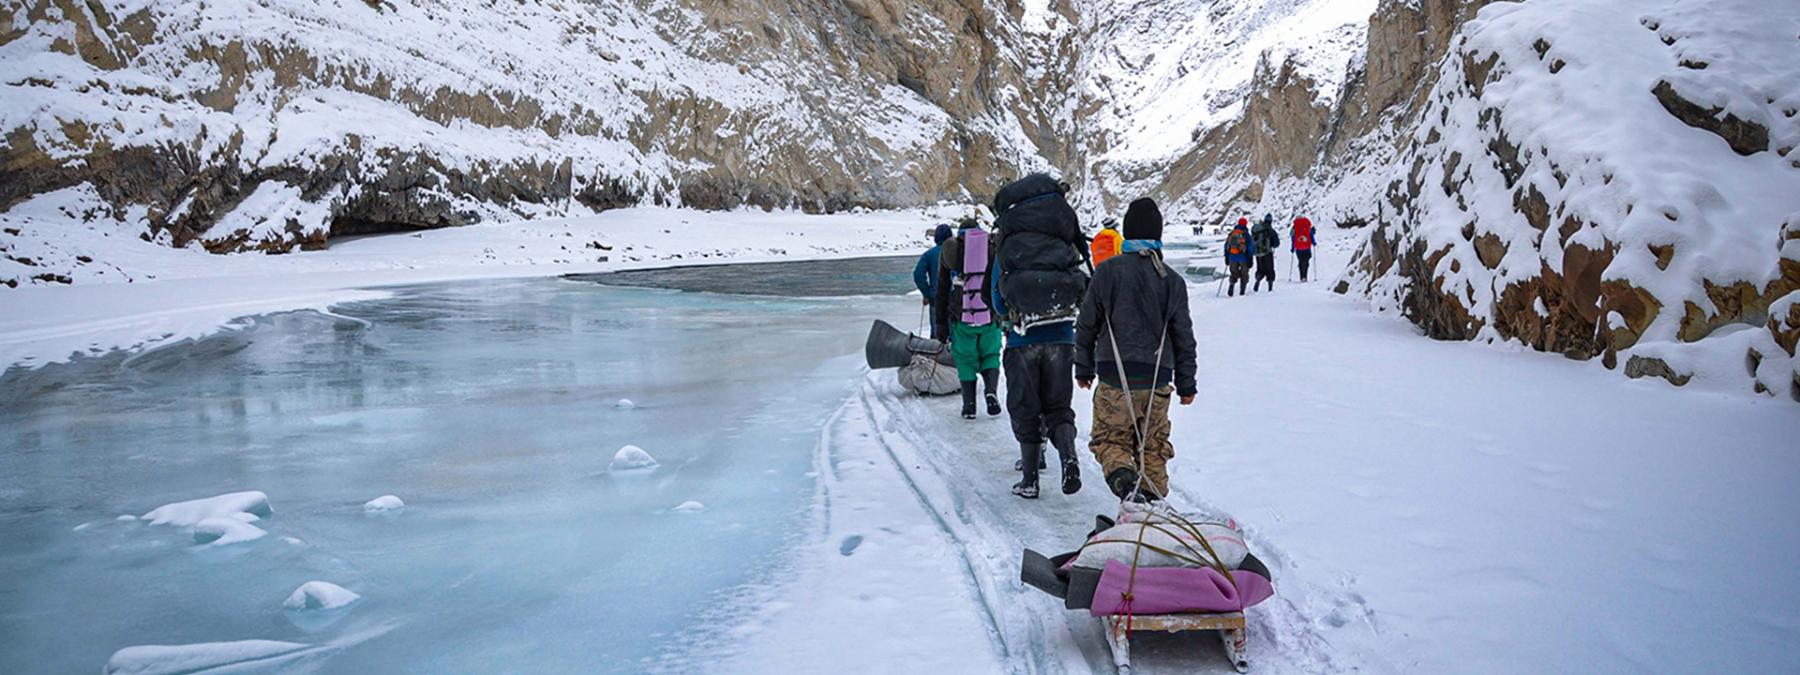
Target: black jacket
{"x":1145,"y":301}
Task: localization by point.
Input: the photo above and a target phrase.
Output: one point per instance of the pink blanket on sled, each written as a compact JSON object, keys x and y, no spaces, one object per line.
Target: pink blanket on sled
{"x":1176,"y":590}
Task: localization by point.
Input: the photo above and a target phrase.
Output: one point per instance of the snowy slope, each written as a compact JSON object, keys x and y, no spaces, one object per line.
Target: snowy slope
{"x":1559,"y":196}
{"x":240,"y":125}
{"x":1158,"y":76}
{"x":1492,"y":511}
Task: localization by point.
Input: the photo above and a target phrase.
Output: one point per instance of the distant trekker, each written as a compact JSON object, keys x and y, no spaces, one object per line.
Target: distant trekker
{"x":925,"y":273}
{"x":1266,"y":242}
{"x":1239,"y":251}
{"x":962,"y":312}
{"x":1040,"y":281}
{"x":1135,"y":333}
{"x":1303,"y":244}
{"x":1106,"y":242}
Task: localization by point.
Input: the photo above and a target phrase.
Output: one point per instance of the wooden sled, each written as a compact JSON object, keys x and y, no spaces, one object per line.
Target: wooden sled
{"x":1230,"y":626}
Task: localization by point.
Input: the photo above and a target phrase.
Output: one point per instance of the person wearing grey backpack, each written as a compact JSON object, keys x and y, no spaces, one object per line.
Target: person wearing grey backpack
{"x":1267,"y":242}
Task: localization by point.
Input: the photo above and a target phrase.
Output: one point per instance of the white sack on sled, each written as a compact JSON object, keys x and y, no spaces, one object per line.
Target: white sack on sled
{"x":926,"y":376}
{"x":1120,"y":542}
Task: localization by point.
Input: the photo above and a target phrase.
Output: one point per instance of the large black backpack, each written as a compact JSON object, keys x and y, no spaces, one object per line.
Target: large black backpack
{"x":1267,"y":241}
{"x":1040,"y":252}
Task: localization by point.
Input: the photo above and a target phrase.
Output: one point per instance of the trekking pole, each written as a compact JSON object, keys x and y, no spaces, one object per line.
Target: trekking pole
{"x":1219,"y":288}
{"x":1290,"y":267}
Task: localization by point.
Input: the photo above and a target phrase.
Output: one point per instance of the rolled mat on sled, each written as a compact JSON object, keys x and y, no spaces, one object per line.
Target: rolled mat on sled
{"x":926,"y":366}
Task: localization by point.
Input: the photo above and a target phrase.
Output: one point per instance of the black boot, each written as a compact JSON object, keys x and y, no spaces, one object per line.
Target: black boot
{"x":968,"y":393}
{"x":1019,"y":464}
{"x":990,"y":380}
{"x":1030,"y":455}
{"x":1064,"y":440}
{"x":1122,"y":481}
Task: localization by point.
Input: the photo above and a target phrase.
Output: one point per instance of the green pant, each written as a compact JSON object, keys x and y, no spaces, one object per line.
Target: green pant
{"x":976,"y":348}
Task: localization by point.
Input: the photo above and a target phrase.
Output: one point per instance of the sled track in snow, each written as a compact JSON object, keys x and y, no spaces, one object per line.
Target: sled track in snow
{"x":961,"y":471}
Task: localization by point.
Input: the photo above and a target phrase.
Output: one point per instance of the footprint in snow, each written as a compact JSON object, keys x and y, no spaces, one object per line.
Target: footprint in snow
{"x":847,"y":547}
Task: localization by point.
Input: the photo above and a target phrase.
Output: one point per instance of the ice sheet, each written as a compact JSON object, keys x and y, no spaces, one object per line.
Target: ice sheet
{"x":492,"y":406}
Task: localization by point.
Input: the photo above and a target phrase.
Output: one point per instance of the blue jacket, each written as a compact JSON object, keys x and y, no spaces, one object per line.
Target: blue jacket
{"x":925,"y":273}
{"x":1061,"y":332}
{"x":1249,"y":246}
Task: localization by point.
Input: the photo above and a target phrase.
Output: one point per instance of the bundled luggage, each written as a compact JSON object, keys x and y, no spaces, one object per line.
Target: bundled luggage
{"x":1042,"y":254}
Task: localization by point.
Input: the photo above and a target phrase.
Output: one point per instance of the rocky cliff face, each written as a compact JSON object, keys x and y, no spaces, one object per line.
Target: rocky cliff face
{"x":268,"y":126}
{"x":239,"y":125}
{"x":1606,"y":179}
{"x":1320,"y":127}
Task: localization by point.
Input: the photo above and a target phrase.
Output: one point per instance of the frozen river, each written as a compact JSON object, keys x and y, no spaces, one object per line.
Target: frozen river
{"x":492,"y":409}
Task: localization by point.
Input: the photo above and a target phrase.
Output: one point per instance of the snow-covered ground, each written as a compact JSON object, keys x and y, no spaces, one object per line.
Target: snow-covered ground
{"x":144,"y":294}
{"x":1425,"y":506}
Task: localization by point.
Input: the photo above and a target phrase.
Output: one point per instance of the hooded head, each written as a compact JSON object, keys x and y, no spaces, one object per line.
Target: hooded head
{"x":942,"y":233}
{"x":1243,"y":221}
{"x":1268,"y":220}
{"x":1143,"y":220}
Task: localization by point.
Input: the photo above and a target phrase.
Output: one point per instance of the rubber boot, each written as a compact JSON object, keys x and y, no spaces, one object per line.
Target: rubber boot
{"x":990,"y":380}
{"x":968,"y":393}
{"x":1019,"y":464}
{"x":1030,"y":454}
{"x":1063,"y":438}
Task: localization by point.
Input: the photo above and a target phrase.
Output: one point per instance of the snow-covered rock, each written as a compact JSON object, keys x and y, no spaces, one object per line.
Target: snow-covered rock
{"x":202,"y":657}
{"x":625,"y":404}
{"x":232,"y":506}
{"x":244,"y":125}
{"x":226,"y":530}
{"x":632,"y":459}
{"x":1606,"y":178}
{"x":320,"y":595}
{"x":690,"y":507}
{"x":384,"y":504}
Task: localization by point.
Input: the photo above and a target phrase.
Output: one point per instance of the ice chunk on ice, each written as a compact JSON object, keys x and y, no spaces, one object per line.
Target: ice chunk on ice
{"x":172,"y":659}
{"x":314,"y":595}
{"x":126,"y":517}
{"x":384,"y":504}
{"x":631,"y":458}
{"x":625,"y":404}
{"x":690,"y":507}
{"x":190,"y":513}
{"x":224,"y":530}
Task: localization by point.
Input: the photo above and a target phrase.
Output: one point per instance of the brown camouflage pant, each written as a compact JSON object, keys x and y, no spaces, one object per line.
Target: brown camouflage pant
{"x":1114,"y":442}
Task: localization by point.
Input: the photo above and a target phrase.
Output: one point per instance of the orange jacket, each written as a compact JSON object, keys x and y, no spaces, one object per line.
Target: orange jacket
{"x":1106,"y":245}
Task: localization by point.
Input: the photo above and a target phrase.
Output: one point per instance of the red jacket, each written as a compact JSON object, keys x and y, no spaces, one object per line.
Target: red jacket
{"x":1303,"y":234}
